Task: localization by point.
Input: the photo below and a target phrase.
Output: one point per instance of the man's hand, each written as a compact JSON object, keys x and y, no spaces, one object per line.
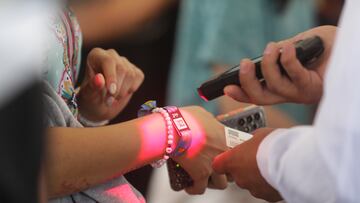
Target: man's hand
{"x":208,"y":140}
{"x":302,"y":86}
{"x":110,"y":81}
{"x":240,"y":164}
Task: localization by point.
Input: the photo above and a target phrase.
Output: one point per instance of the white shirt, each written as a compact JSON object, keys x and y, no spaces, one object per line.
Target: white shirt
{"x":320,"y":163}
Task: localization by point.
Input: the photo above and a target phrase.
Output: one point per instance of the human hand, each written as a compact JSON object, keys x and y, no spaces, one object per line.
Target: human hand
{"x":110,"y":81}
{"x":302,"y":86}
{"x":208,"y":140}
{"x":240,"y":163}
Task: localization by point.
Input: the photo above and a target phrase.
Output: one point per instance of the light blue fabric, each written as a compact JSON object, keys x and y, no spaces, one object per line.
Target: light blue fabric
{"x":224,"y":32}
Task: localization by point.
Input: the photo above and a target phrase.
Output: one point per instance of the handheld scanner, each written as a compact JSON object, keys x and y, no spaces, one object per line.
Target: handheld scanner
{"x":307,"y":51}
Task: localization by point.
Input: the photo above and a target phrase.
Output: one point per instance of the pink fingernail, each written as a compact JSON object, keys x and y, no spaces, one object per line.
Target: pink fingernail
{"x":109,"y":101}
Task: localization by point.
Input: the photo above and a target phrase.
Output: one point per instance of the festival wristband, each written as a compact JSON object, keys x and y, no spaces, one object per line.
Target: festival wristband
{"x":182,"y":129}
{"x":150,"y":107}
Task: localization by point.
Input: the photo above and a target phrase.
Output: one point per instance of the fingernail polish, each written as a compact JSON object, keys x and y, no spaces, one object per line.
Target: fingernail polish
{"x":98,"y":80}
{"x":109,"y":101}
{"x":112,"y":88}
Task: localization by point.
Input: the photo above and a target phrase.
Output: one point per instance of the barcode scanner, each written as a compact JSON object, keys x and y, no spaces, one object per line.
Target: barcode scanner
{"x":307,"y":51}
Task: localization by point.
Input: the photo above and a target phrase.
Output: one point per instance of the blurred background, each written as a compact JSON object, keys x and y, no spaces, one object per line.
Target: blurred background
{"x":178,"y":44}
{"x":181,"y":43}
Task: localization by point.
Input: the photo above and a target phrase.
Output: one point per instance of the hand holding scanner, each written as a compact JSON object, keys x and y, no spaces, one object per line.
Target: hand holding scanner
{"x":307,"y":51}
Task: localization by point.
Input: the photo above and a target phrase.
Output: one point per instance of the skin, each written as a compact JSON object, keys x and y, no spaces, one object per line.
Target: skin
{"x":80,"y":158}
{"x":102,"y":21}
{"x":302,"y":86}
{"x":275,"y":117}
{"x":109,"y":83}
{"x":240,"y":165}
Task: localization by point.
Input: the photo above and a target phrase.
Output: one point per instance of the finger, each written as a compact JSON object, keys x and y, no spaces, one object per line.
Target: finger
{"x":270,"y":67}
{"x":139,"y":79}
{"x":249,"y":82}
{"x":198,"y":188}
{"x":236,"y":93}
{"x":229,"y":177}
{"x":220,"y":163}
{"x":98,"y":81}
{"x":128,"y":73}
{"x":217,"y":181}
{"x":124,"y":74}
{"x":101,"y":62}
{"x":296,"y":72}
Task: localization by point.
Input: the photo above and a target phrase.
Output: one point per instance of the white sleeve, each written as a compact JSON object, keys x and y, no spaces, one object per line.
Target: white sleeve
{"x":319,"y":163}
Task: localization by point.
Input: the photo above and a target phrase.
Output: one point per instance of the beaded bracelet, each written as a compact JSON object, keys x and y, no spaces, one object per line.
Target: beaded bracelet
{"x":89,"y":123}
{"x":170,"y":137}
{"x":182,"y":128}
{"x":173,"y":119}
{"x":150,"y":107}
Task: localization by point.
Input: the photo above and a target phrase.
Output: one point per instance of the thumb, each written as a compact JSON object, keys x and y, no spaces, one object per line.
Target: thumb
{"x":220,"y":163}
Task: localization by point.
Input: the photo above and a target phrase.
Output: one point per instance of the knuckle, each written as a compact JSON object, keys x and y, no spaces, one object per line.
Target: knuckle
{"x":141,"y":75}
{"x":139,"y":72}
{"x":203,"y":174}
{"x":298,"y":79}
{"x":123,"y":60}
{"x":275,"y":87}
{"x":108,"y":62}
{"x":272,"y":87}
{"x":240,"y":184}
{"x":95,"y":52}
{"x":286,"y":60}
{"x":113,"y":51}
{"x":121,"y":68}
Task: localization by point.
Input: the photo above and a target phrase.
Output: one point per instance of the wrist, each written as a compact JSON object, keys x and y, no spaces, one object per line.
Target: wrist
{"x":153,"y":134}
{"x":178,"y":134}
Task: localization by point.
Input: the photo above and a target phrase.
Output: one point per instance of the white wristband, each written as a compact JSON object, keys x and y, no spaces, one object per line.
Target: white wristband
{"x":89,"y":123}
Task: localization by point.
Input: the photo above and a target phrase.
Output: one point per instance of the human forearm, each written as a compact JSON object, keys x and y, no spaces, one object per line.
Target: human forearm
{"x":82,"y":157}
